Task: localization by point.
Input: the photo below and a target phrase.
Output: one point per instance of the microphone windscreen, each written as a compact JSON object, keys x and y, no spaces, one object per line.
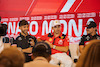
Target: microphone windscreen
{"x":5,"y":40}
{"x":11,"y":40}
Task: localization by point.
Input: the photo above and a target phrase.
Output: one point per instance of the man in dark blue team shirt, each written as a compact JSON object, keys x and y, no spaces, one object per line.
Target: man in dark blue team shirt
{"x":91,"y":35}
{"x":24,"y":40}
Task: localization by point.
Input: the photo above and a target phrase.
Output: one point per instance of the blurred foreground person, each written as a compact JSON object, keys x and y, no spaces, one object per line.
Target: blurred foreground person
{"x":41,"y":56}
{"x":11,"y":57}
{"x":90,"y":56}
{"x":3,"y":32}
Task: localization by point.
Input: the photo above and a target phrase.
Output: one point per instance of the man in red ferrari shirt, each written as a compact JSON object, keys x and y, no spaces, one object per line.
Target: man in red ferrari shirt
{"x":59,"y":45}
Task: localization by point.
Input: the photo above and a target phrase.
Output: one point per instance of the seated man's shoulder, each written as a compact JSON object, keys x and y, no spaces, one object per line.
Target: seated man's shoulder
{"x":49,"y":35}
{"x":30,"y":36}
{"x":84,"y":36}
{"x":18,"y":38}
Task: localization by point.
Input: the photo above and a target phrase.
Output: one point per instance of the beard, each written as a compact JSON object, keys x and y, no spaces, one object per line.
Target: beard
{"x":25,"y":32}
{"x":58,"y":31}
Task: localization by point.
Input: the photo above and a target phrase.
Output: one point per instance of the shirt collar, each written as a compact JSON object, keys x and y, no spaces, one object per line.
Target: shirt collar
{"x":94,"y":35}
{"x":40,"y":58}
{"x":59,"y":35}
{"x":23,"y":36}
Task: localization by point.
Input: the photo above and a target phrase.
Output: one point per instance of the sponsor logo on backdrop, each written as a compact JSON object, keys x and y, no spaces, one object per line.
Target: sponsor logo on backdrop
{"x":72,"y":24}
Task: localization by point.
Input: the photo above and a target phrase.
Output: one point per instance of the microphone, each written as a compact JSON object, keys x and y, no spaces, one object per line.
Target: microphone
{"x":29,"y":43}
{"x":5,"y":40}
{"x":11,"y":40}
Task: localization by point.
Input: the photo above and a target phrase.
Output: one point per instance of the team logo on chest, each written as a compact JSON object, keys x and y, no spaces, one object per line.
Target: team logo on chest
{"x":60,"y":42}
{"x":62,"y":37}
{"x":87,"y":37}
{"x":19,"y":38}
{"x":50,"y":39}
{"x":30,"y":38}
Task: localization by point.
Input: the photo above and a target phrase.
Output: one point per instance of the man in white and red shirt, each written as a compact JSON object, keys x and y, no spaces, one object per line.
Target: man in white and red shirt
{"x":59,"y":44}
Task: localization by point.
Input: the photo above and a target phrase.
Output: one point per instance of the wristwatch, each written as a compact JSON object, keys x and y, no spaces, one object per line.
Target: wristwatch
{"x":54,"y":46}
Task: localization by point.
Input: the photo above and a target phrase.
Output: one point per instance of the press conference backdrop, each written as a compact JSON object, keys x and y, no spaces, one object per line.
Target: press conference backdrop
{"x":73,"y":14}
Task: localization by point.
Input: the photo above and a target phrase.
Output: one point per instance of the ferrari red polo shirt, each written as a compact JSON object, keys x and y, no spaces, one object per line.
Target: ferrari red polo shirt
{"x":61,"y":40}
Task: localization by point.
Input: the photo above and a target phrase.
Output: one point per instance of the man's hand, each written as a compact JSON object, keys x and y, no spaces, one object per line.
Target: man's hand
{"x":60,"y":48}
{"x":19,"y":48}
{"x":32,"y":42}
{"x":27,"y":50}
{"x":81,"y":47}
{"x":50,"y":44}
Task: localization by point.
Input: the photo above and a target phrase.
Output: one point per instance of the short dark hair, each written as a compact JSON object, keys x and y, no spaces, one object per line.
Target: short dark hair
{"x":42,"y":49}
{"x":23,"y":22}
